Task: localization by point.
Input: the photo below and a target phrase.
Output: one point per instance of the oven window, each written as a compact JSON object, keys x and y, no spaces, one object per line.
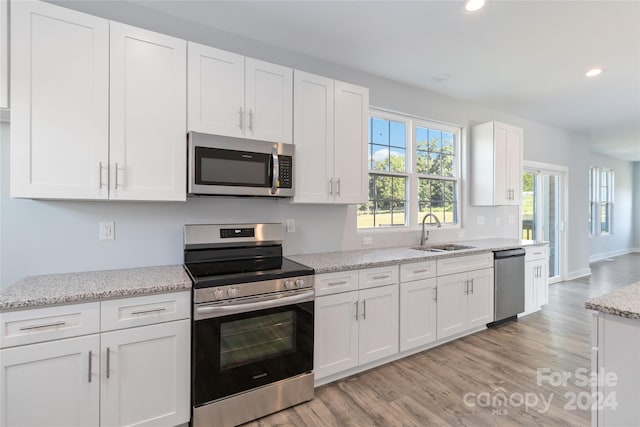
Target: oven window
{"x":258,"y":338}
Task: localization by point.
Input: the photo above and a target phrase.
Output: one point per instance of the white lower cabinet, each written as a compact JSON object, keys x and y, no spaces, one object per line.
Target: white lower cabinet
{"x":145,"y":380}
{"x":536,"y":288}
{"x":355,"y":328}
{"x":418,"y":313}
{"x":465,"y":301}
{"x":54,"y":383}
{"x":136,"y":376}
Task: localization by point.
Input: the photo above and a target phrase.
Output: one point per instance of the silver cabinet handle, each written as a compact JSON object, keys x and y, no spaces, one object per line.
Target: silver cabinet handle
{"x":435,"y":294}
{"x":240,"y":124}
{"x":341,"y":282}
{"x":466,"y":287}
{"x":90,"y":354}
{"x":471,"y":286}
{"x":424,"y":270}
{"x":338,"y":187}
{"x":251,"y":119}
{"x":331,"y":186}
{"x":100,"y":183}
{"x":44,"y":325}
{"x":386,"y":276}
{"x":364,"y":309}
{"x":356,"y":304}
{"x":152,"y":310}
{"x":108,"y":361}
{"x":116,"y":174}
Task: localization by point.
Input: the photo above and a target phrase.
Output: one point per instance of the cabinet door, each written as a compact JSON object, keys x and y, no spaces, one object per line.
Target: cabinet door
{"x":351,"y":118}
{"x":313,"y":137}
{"x":480,"y":298}
{"x":148,"y":115}
{"x":541,"y":286}
{"x":146,"y":375}
{"x":452,"y":304}
{"x":268,"y":101}
{"x":417,"y":313}
{"x":501,"y":166}
{"x":378,"y":323}
{"x":60,"y":102}
{"x":530,"y":291}
{"x":215,"y":91}
{"x":51,"y":384}
{"x":514,"y":164}
{"x":336,"y":334}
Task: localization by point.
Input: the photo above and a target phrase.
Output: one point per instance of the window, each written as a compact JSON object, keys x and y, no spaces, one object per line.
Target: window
{"x":601,"y":182}
{"x":413,"y":170}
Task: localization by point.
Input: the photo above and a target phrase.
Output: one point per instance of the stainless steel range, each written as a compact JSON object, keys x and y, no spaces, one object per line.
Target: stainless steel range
{"x":252,"y":328}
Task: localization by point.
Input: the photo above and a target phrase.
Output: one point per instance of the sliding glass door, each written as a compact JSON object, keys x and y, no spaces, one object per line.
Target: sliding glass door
{"x":542,"y":212}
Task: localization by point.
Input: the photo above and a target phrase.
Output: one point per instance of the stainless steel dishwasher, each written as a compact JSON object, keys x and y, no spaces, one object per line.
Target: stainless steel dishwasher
{"x":508,"y":294}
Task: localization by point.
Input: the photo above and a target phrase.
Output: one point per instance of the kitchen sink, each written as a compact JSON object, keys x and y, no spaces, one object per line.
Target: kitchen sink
{"x":448,"y":247}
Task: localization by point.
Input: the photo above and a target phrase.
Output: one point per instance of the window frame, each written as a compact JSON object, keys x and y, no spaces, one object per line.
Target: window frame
{"x":412,"y":217}
{"x":597,"y":202}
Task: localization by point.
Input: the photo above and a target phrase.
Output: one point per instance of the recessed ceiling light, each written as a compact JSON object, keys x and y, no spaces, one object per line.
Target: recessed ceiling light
{"x":593,"y":72}
{"x":473,"y":5}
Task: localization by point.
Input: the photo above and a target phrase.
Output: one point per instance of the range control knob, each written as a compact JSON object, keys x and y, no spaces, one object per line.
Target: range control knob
{"x":218,"y":293}
{"x":232,"y":292}
{"x":288,"y":284}
{"x":299,"y":283}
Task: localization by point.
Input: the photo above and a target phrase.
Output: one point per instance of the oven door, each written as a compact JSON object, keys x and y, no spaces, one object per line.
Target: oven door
{"x":237,"y":348}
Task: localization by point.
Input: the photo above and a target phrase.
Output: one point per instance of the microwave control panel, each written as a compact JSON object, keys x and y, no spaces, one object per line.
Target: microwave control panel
{"x":286,"y":167}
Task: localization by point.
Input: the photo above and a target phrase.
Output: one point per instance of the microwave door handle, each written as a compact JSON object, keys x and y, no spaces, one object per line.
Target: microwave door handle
{"x":275,"y":171}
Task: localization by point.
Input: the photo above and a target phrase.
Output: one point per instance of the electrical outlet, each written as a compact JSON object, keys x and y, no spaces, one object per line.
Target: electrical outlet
{"x":367,"y":241}
{"x":107,"y":230}
{"x":291,"y":226}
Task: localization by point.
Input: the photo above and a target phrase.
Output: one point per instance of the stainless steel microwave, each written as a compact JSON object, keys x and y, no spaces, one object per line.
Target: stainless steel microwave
{"x":222,"y":165}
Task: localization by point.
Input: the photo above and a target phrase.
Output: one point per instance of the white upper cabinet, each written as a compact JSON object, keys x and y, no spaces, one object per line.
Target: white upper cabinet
{"x":496,"y":164}
{"x":330,"y":135}
{"x":148,"y":120}
{"x":216,"y":91}
{"x":236,"y":96}
{"x":99,"y":108}
{"x":60,"y":100}
{"x":4,"y":53}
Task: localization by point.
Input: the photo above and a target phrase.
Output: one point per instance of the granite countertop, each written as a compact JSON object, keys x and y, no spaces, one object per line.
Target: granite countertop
{"x":623,"y":302}
{"x":353,"y":260}
{"x":53,"y":289}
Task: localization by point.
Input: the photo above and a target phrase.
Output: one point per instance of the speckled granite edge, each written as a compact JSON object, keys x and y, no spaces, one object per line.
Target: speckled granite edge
{"x":70,"y":288}
{"x":330,"y":262}
{"x":623,"y":302}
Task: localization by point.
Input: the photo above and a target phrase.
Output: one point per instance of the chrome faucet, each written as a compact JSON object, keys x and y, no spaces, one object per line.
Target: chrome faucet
{"x":424,"y":237}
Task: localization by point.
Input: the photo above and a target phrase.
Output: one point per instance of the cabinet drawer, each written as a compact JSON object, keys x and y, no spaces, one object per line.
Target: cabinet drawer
{"x":144,"y":310}
{"x":464,"y":263}
{"x":333,"y":283}
{"x":49,"y":323}
{"x":379,"y":276}
{"x":417,"y":271}
{"x":534,"y":253}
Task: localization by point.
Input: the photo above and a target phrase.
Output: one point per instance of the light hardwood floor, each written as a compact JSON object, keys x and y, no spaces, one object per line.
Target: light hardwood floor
{"x":429,"y":388}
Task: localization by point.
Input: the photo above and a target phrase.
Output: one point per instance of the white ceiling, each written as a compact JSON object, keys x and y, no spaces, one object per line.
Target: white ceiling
{"x":527,"y":58}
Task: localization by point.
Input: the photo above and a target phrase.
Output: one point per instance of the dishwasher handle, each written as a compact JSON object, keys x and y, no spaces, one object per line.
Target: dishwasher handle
{"x":510,"y":253}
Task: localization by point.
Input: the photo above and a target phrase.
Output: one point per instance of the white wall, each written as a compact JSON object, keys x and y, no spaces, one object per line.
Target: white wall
{"x":39,"y":237}
{"x":621,"y":240}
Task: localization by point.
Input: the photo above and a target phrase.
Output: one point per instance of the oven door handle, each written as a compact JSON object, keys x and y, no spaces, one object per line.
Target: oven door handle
{"x":208,"y":311}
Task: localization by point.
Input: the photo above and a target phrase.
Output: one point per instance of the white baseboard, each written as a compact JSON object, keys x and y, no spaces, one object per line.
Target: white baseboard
{"x":599,"y":257}
{"x":578,"y":273}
